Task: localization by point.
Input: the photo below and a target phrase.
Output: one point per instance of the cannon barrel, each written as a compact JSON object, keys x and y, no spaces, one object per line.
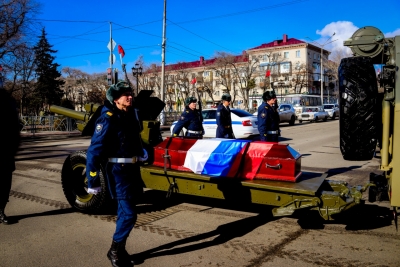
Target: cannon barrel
{"x":78,"y":115}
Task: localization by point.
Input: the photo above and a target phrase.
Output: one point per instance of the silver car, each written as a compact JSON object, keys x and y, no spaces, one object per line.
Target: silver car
{"x":286,"y":113}
{"x":313,"y":114}
{"x":332,"y":109}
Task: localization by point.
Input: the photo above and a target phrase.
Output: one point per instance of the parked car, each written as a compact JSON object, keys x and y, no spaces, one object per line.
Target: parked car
{"x":244,"y":124}
{"x":332,"y":109}
{"x":286,"y":113}
{"x":313,"y":114}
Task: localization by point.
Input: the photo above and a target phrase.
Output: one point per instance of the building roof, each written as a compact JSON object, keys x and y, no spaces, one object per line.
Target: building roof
{"x":282,"y":42}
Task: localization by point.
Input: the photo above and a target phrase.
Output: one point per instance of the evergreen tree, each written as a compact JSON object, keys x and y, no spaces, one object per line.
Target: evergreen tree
{"x":48,"y":85}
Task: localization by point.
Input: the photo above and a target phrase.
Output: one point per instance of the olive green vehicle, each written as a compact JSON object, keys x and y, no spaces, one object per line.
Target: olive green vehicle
{"x":369,"y":109}
{"x":359,"y":101}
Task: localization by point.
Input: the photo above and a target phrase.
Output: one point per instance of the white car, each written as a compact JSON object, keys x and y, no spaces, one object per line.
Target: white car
{"x":332,"y":109}
{"x":313,"y":114}
{"x":286,"y":113}
{"x":244,"y":124}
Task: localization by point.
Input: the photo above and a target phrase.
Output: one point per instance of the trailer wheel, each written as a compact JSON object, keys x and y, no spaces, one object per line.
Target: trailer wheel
{"x":74,"y":184}
{"x":358,"y":108}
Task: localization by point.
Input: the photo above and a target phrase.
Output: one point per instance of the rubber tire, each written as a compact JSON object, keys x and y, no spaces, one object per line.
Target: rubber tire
{"x":292,"y":120}
{"x":333,"y":116}
{"x":358,"y":108}
{"x":74,"y":182}
{"x":325,"y":119}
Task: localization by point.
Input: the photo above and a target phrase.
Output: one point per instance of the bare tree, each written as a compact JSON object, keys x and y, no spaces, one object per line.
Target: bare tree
{"x":16,"y":16}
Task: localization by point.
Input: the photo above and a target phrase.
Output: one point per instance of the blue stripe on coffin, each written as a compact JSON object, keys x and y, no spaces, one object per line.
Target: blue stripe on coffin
{"x":222,"y":158}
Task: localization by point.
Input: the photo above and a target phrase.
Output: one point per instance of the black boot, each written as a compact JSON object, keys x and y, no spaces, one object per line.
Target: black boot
{"x":3,"y":217}
{"x":118,"y":256}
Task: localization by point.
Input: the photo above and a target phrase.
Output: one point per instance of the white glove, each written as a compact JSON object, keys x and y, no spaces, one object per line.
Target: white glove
{"x":94,"y":190}
{"x":145,"y":155}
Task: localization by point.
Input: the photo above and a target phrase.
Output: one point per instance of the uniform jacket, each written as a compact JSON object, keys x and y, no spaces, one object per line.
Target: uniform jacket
{"x":268,"y":119}
{"x":190,"y":119}
{"x":10,"y":132}
{"x":224,"y":121}
{"x":116,"y":135}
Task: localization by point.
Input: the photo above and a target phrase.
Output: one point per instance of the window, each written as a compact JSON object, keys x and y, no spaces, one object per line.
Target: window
{"x":241,"y":113}
{"x":216,"y":73}
{"x":206,"y":74}
{"x":285,"y":67}
{"x":265,"y":58}
{"x":298,"y":53}
{"x":286,"y":54}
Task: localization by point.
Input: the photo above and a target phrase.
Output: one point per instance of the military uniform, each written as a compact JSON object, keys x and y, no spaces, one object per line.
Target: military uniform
{"x":117,"y":136}
{"x":268,"y":123}
{"x":191,"y":120}
{"x":224,"y":122}
{"x":11,"y":137}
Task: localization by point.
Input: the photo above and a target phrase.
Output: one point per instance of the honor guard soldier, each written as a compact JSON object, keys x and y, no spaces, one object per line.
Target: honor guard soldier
{"x":224,"y":121}
{"x":190,"y":119}
{"x":116,"y":140}
{"x":268,"y":118}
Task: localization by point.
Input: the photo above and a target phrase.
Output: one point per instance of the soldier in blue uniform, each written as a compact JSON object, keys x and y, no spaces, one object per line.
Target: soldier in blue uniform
{"x":268,"y":118}
{"x":224,"y":121}
{"x":190,"y":119}
{"x":116,"y":140}
{"x":11,"y":137}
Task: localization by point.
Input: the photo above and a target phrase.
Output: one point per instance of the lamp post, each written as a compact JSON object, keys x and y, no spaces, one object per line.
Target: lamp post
{"x":136,"y":71}
{"x":321,"y":66}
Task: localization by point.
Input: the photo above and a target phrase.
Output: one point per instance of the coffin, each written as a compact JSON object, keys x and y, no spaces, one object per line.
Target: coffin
{"x":229,"y":158}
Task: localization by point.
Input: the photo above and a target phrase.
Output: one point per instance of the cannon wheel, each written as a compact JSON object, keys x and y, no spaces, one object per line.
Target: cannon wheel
{"x":74,"y":184}
{"x":358,"y":108}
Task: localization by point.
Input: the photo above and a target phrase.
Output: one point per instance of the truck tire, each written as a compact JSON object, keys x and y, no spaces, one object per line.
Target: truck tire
{"x":74,"y":184}
{"x":358,"y":108}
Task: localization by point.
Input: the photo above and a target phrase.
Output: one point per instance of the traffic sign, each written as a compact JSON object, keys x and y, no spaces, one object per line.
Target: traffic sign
{"x":113,"y":59}
{"x":113,"y":45}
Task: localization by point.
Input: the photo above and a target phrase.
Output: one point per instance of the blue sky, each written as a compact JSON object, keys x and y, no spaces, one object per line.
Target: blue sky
{"x":80,"y":30}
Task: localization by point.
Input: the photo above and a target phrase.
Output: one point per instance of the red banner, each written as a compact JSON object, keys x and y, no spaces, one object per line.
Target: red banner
{"x":121,"y":51}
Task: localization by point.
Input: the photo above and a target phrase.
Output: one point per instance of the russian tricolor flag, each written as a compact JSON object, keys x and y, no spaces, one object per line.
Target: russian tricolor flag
{"x":214,"y":157}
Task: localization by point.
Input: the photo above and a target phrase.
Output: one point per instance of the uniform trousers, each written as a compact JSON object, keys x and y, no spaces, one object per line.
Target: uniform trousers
{"x":126,"y":219}
{"x":269,"y":137}
{"x":5,"y":187}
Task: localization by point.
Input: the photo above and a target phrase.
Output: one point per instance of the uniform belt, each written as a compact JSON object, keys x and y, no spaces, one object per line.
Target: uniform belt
{"x":194,"y":132}
{"x":272,"y":132}
{"x":123,"y":160}
{"x":227,"y":126}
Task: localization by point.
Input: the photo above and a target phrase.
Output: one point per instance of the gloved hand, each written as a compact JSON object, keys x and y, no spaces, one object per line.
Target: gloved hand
{"x":94,"y":190}
{"x":145,"y":156}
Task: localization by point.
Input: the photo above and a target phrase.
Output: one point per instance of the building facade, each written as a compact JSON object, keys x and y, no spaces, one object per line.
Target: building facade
{"x":288,"y":65}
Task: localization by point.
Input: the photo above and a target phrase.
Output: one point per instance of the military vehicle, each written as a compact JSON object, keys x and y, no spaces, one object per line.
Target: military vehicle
{"x":270,"y":173}
{"x":369,"y":109}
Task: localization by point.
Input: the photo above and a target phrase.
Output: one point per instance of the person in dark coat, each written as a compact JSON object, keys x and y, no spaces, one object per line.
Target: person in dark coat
{"x":224,"y":121}
{"x":268,"y":118}
{"x":11,"y":136}
{"x":116,"y":140}
{"x":190,"y":119}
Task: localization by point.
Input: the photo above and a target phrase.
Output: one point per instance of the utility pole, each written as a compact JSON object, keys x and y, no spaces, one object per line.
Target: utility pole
{"x":163,"y":61}
{"x":111,"y":54}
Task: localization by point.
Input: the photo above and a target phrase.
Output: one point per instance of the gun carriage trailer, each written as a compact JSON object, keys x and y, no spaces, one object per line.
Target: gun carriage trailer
{"x":271,"y":175}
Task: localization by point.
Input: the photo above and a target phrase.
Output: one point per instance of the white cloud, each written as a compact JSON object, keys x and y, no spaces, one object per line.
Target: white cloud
{"x":393,"y":33}
{"x":343,"y":30}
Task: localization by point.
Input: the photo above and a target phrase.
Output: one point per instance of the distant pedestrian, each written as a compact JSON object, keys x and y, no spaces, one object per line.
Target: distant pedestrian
{"x":224,"y":121}
{"x":190,"y":119}
{"x":116,"y":140}
{"x":268,"y":118}
{"x":11,"y":137}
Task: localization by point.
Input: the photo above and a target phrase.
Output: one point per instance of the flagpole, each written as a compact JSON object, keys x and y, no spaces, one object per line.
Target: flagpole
{"x":163,"y":61}
{"x":111,"y":54}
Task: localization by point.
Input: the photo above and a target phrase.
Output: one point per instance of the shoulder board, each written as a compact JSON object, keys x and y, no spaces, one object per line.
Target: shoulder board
{"x":266,"y":107}
{"x":187,"y":111}
{"x":109,"y":114}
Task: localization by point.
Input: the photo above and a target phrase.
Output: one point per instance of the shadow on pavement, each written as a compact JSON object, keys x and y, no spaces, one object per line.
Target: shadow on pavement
{"x":16,"y":219}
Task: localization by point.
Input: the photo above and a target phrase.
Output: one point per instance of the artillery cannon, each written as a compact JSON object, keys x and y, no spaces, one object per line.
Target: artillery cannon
{"x":369,"y":109}
{"x":259,"y":172}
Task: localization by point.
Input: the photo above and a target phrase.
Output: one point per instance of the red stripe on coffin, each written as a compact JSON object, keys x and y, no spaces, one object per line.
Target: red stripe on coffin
{"x":177,"y":150}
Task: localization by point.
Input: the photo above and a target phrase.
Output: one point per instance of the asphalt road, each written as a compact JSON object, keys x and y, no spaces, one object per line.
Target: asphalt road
{"x":188,"y":231}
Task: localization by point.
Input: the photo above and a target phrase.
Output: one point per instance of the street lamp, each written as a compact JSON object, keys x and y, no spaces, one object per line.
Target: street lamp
{"x":136,"y":72}
{"x":321,"y":66}
{"x":80,"y":94}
